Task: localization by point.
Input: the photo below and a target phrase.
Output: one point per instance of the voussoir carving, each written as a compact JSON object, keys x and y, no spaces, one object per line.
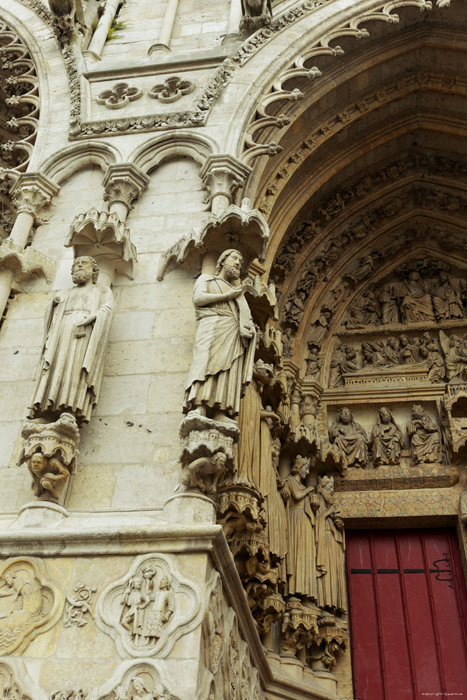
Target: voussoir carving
{"x":29,"y":603}
{"x":149,"y":609}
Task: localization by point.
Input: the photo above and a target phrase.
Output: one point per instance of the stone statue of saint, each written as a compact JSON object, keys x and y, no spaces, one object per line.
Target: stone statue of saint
{"x":224,"y":345}
{"x":446,"y":299}
{"x":330,"y":548}
{"x":416,"y":301}
{"x":386,"y":439}
{"x":350,"y":437}
{"x":301,"y":502}
{"x":425,"y":438}
{"x":76,"y":327}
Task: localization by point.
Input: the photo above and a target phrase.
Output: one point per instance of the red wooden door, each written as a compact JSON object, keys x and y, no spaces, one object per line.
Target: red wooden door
{"x":408,"y":614}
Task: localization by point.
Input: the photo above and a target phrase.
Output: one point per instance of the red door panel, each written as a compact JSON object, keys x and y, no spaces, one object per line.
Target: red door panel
{"x":408,"y":605}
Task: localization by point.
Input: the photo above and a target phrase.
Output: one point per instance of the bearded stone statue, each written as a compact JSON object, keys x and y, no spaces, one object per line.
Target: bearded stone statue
{"x":224,"y":346}
{"x":77,"y":323}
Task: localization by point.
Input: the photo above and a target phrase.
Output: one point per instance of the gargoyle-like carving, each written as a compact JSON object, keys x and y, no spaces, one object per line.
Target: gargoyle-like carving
{"x":68,"y":16}
{"x":50,"y":450}
{"x":119,"y":96}
{"x":79,"y":606}
{"x":29,"y":604}
{"x":425,"y":437}
{"x":149,"y":609}
{"x":171,"y":90}
{"x":71,"y":365}
{"x":205,"y":473}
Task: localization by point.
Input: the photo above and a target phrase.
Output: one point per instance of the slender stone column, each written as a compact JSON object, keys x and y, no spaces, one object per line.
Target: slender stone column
{"x":235,"y":17}
{"x":100,"y":35}
{"x":31,"y":194}
{"x":222,"y":176}
{"x":167,"y":27}
{"x":103,"y":235}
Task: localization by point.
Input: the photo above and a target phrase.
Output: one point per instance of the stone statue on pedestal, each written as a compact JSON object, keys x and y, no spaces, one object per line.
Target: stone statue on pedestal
{"x":76,"y":328}
{"x":224,"y":346}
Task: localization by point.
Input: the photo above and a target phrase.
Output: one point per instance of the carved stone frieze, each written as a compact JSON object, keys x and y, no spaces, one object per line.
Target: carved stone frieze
{"x":150,"y":608}
{"x":400,"y":504}
{"x":50,"y":450}
{"x":79,"y":606}
{"x":227,"y":671}
{"x":29,"y":603}
{"x":360,"y":226}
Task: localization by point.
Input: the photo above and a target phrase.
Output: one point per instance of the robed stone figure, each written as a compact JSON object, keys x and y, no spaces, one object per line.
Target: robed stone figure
{"x":224,"y":346}
{"x":77,"y":323}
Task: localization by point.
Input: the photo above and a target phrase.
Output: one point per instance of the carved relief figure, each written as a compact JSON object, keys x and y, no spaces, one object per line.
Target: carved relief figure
{"x":455,"y":351}
{"x":26,"y":604}
{"x":350,"y":437}
{"x":344,"y":360}
{"x":134,"y":602}
{"x":330,"y":548}
{"x":76,"y":328}
{"x":425,"y":438}
{"x":416,"y":301}
{"x":249,"y":465}
{"x":313,"y":363}
{"x":388,"y":301}
{"x":301,"y":549}
{"x":446,"y":299}
{"x":224,"y":343}
{"x":363,"y":312}
{"x":430,"y":353}
{"x":159,"y":612}
{"x":386,"y":439}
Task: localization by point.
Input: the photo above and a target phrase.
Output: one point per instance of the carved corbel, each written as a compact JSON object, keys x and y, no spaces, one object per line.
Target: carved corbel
{"x":50,"y":451}
{"x":123,"y":184}
{"x":236,"y":227}
{"x":330,"y":638}
{"x":222,"y":176}
{"x":299,"y":626}
{"x":103,"y":236}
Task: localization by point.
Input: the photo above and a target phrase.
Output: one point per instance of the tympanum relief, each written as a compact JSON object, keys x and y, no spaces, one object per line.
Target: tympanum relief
{"x":29,"y":604}
{"x":149,"y":609}
{"x":385,"y":442}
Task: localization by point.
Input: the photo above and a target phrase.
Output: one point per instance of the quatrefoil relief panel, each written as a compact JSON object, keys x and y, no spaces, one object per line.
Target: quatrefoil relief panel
{"x":171,"y":90}
{"x":118,"y":96}
{"x":150,"y":608}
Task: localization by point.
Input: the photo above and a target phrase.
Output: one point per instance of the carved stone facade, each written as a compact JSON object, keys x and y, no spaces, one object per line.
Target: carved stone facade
{"x":233,"y":329}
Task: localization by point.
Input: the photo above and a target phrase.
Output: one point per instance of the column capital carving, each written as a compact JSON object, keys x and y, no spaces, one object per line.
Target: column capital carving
{"x":223,"y":174}
{"x":32,"y":193}
{"x":124,"y":183}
